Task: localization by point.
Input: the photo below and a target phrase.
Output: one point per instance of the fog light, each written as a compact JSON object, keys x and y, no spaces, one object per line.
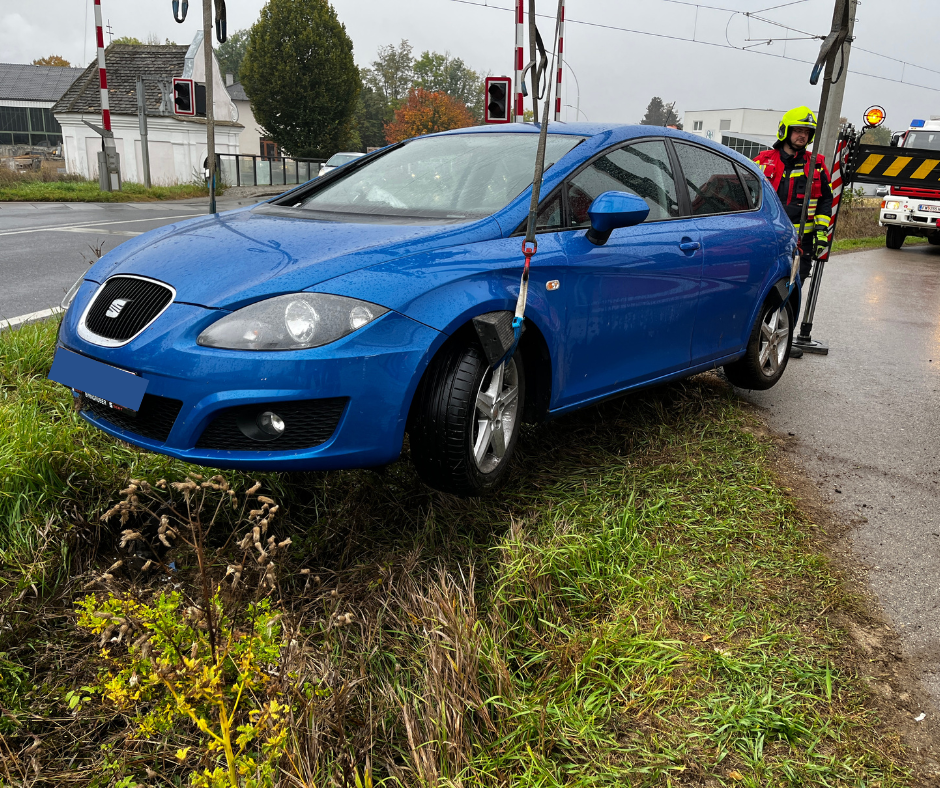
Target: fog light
{"x":891,"y":216}
{"x":271,"y":424}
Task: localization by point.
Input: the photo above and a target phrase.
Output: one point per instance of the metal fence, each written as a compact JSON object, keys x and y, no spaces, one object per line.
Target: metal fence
{"x":239,"y":170}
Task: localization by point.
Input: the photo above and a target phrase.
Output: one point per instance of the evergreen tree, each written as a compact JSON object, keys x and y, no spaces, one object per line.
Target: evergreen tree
{"x":659,"y":113}
{"x":299,"y":74}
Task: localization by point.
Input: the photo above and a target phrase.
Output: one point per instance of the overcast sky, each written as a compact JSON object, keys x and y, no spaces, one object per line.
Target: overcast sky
{"x":618,"y":71}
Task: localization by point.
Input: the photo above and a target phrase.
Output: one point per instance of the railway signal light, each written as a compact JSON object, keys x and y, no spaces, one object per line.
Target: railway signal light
{"x":184,"y":96}
{"x":498,"y":100}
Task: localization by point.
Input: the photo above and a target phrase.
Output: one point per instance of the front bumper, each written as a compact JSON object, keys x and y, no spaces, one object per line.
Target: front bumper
{"x":374,"y":371}
{"x":909,"y":215}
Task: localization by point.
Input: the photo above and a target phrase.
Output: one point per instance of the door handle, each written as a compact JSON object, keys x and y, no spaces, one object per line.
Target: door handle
{"x":690,"y":246}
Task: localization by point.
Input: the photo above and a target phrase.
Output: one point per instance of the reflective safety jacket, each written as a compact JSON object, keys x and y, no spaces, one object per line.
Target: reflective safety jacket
{"x":789,"y":176}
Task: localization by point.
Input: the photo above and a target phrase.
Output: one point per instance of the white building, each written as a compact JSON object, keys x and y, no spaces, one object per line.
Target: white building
{"x":177,"y":145}
{"x":252,"y":141}
{"x":748,"y":131}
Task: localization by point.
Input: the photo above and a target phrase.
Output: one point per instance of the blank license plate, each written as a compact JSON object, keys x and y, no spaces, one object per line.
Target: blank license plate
{"x":100,"y":382}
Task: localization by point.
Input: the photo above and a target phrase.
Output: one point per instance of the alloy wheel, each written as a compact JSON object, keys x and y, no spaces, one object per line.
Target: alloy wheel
{"x":774,"y":340}
{"x":496,"y":417}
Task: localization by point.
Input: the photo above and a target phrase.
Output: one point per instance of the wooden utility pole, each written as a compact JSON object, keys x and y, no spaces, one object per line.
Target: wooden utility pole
{"x":210,"y":118}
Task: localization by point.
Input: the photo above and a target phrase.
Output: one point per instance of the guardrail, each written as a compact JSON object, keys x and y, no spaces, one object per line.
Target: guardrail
{"x":241,"y":170}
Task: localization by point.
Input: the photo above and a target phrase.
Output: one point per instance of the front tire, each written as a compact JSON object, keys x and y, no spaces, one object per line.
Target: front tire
{"x":768,"y":349}
{"x":934,"y":239}
{"x":466,"y":421}
{"x":894,"y":238}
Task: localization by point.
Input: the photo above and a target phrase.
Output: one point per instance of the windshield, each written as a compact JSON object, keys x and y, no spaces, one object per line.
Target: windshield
{"x":341,"y":158}
{"x":927,"y":140}
{"x":460,"y":176}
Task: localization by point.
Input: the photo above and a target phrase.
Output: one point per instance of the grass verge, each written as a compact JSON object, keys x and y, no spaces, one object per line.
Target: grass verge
{"x":87,"y":191}
{"x":642,"y":605}
{"x":861,"y":244}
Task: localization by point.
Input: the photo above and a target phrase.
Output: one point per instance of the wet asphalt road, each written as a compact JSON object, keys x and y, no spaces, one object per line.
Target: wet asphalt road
{"x":45,"y":247}
{"x":866,"y":423}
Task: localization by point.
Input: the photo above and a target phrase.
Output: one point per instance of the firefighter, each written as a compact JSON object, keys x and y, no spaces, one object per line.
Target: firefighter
{"x":787,"y":166}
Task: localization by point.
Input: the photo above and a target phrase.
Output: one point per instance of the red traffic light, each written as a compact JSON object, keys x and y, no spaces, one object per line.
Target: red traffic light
{"x":498,"y":105}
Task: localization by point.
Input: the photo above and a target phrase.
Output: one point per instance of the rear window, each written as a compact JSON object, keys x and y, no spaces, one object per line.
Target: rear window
{"x":452,"y":177}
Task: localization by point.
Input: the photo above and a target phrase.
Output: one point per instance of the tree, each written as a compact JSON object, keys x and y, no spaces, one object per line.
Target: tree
{"x":129,"y":40}
{"x":438,"y":72}
{"x":373,"y":113}
{"x":300,"y":77}
{"x":232,"y":52}
{"x":878,"y":136}
{"x":52,"y":60}
{"x":392,"y":73}
{"x":660,"y":114}
{"x":426,"y":112}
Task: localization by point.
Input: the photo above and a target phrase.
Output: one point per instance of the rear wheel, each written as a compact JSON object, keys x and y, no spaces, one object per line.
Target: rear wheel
{"x":465,"y":422}
{"x":934,"y":238}
{"x":768,"y":349}
{"x":894,"y":237}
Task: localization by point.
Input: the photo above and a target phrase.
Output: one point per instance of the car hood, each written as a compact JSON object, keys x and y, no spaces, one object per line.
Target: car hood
{"x":232,"y":259}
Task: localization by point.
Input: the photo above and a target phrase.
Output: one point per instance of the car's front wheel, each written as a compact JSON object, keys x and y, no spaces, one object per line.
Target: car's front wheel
{"x":895,"y":236}
{"x":465,"y":420}
{"x":768,"y":349}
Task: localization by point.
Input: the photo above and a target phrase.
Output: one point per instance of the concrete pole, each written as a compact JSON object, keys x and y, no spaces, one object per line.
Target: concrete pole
{"x":210,"y":119}
{"x":829,"y":132}
{"x":142,"y":120}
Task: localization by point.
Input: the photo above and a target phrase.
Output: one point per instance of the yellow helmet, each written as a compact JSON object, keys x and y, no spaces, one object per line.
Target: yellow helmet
{"x":801,"y":117}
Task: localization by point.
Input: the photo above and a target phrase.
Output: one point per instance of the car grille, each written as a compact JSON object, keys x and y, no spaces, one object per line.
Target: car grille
{"x":307,"y":423}
{"x":144,"y":300}
{"x":153,"y":420}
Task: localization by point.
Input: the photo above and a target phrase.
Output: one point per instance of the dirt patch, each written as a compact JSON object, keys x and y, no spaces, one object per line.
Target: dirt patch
{"x":872,"y":646}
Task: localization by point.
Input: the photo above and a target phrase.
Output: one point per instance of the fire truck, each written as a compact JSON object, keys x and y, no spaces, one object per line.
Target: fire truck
{"x":913,"y":209}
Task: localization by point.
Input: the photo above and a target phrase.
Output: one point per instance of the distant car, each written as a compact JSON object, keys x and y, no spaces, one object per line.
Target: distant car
{"x":338,"y":160}
{"x":882,"y":191}
{"x":311,"y":332}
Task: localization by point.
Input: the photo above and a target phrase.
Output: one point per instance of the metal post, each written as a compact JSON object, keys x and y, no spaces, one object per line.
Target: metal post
{"x":825,"y":142}
{"x":840,"y":26}
{"x":561,"y":53}
{"x":210,"y":117}
{"x":142,"y":120}
{"x":533,"y":58}
{"x":520,"y":58}
{"x":238,"y":171}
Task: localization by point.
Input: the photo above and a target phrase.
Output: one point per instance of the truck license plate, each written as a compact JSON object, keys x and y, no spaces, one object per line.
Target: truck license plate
{"x":929,"y":208}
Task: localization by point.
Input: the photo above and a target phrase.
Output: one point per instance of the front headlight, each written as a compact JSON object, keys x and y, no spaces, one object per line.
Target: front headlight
{"x":892,"y":205}
{"x":70,"y":295}
{"x":290,"y":322}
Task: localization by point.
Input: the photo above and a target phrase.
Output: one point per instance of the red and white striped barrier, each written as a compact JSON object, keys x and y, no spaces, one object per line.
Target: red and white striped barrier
{"x":102,"y":71}
{"x":520,"y":59}
{"x":561,"y":51}
{"x":836,"y":182}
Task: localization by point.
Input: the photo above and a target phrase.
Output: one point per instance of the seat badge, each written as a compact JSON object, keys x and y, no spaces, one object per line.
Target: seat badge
{"x":116,"y":306}
{"x":552,"y":284}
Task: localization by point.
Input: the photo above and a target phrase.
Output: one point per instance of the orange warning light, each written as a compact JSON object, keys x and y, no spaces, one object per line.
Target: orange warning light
{"x":874,"y":116}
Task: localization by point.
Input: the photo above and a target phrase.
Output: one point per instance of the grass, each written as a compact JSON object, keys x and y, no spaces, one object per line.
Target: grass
{"x":861,"y":244}
{"x":642,"y":605}
{"x":88,"y":191}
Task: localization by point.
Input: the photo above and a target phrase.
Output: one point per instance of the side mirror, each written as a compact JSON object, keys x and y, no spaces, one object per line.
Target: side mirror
{"x":612,"y":210}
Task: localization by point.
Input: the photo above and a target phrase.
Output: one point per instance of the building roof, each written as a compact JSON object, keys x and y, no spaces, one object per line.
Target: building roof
{"x":237,"y":92}
{"x":125,"y":62}
{"x":35,"y":83}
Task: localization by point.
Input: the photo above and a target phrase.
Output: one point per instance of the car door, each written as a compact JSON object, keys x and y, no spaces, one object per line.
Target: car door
{"x":738,"y":245}
{"x":631,"y":302}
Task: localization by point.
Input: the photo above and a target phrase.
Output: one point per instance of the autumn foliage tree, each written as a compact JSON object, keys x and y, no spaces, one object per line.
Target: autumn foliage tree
{"x":52,"y":60}
{"x":426,"y":112}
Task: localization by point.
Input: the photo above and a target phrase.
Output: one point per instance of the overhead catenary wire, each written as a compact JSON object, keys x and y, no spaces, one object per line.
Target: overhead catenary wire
{"x":618,"y":28}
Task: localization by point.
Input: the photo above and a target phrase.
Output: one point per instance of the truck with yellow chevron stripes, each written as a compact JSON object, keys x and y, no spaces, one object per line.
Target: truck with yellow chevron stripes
{"x":912,"y":207}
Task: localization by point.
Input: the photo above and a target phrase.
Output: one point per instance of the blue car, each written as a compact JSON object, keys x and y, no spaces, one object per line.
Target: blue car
{"x":315,"y":330}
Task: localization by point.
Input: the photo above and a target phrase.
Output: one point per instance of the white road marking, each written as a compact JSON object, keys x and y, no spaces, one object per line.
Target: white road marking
{"x":94,"y":231}
{"x":13,"y":322}
{"x":91,"y":224}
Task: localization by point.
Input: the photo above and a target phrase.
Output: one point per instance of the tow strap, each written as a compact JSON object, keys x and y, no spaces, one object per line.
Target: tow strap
{"x":494,"y":328}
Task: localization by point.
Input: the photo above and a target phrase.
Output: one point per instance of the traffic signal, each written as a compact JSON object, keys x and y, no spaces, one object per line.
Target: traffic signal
{"x":498,"y":100}
{"x":184,"y":98}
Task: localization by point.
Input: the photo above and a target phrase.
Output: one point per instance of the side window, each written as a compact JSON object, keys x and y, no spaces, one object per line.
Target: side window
{"x":712,"y":181}
{"x":752,"y":184}
{"x":549,"y":216}
{"x":642,"y":169}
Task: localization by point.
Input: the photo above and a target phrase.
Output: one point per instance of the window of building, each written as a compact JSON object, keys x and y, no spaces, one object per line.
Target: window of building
{"x":745,"y":147}
{"x":696,"y":125}
{"x":724,"y":125}
{"x":29,"y":126}
{"x":712,"y":181}
{"x":269,"y":149}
